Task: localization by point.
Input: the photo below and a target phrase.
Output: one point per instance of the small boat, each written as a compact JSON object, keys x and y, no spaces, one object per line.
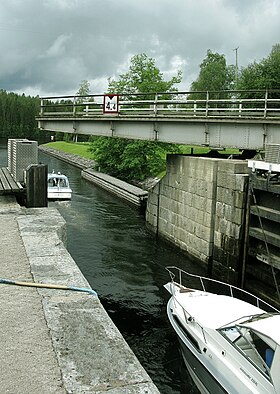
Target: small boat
{"x":230,"y":339}
{"x":58,"y":187}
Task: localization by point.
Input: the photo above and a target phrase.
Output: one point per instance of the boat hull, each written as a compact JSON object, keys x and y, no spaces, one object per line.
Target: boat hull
{"x":229,"y":338}
{"x":203,"y":379}
{"x":59,"y":195}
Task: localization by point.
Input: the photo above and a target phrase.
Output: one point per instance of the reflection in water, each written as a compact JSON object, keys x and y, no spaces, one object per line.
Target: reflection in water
{"x":125,"y":264}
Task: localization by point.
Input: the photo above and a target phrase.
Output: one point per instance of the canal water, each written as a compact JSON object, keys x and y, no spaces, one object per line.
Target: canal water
{"x":125,"y":263}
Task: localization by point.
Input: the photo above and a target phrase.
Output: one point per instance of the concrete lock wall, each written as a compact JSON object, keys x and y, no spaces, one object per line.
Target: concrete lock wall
{"x":199,"y":206}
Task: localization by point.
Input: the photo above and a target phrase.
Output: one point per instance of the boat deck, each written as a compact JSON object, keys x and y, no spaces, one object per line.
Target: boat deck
{"x":8,"y":185}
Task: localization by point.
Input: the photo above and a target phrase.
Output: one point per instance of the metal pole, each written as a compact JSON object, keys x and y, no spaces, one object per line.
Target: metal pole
{"x":236,"y":65}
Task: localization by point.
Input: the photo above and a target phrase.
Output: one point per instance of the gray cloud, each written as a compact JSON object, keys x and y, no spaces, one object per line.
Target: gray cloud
{"x":50,"y":46}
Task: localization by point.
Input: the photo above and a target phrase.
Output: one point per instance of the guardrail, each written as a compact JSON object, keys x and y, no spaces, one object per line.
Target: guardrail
{"x":236,"y":103}
{"x":197,"y":282}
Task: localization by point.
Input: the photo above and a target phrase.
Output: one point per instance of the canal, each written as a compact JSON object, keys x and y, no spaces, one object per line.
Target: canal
{"x":125,"y":263}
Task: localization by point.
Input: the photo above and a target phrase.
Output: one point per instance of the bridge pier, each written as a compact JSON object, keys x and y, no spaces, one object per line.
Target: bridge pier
{"x":225,"y":215}
{"x":199,"y":206}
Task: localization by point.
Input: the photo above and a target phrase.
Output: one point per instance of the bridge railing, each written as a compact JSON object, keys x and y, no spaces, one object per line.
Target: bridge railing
{"x":250,"y":103}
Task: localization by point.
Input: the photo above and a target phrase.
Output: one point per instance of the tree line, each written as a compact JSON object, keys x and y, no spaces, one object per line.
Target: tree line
{"x":127,"y":159}
{"x":216,"y":75}
{"x":17,"y":115}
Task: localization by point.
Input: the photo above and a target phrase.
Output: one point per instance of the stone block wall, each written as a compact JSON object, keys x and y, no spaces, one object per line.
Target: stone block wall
{"x":229,"y":227}
{"x":199,"y":207}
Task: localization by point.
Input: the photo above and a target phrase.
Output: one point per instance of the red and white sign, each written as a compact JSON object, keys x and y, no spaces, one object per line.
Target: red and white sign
{"x":111,"y":104}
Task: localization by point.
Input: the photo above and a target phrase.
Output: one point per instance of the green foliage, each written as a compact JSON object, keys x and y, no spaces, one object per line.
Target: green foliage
{"x":84,"y":89}
{"x":214,"y":81}
{"x":252,"y":77}
{"x":214,"y":75}
{"x":68,"y":137}
{"x":130,"y":160}
{"x":107,"y":152}
{"x":143,"y":77}
{"x":17,"y":115}
{"x":262,"y":75}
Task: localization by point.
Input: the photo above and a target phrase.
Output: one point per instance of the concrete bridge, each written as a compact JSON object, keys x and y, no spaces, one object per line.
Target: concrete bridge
{"x":226,"y":119}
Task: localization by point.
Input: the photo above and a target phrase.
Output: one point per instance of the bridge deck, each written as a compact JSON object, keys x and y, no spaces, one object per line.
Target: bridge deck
{"x":227,"y":119}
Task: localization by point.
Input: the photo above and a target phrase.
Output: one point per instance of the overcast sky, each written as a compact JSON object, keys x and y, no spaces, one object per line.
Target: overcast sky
{"x":49,"y":46}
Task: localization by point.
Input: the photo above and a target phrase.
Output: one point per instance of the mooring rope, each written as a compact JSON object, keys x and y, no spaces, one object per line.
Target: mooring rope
{"x":48,"y":286}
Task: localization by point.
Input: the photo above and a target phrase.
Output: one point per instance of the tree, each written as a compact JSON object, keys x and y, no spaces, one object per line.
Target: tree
{"x":130,"y":159}
{"x":84,"y":89}
{"x":272,"y":68}
{"x":144,"y":159}
{"x":251,"y":77}
{"x":143,"y":77}
{"x":214,"y":74}
{"x":262,"y":75}
{"x":17,"y":115}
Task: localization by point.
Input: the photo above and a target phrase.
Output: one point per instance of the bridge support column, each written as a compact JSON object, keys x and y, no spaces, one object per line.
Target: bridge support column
{"x":199,"y":206}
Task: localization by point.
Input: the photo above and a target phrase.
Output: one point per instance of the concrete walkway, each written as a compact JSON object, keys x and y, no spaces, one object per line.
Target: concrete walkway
{"x":28,"y":361}
{"x":55,"y":341}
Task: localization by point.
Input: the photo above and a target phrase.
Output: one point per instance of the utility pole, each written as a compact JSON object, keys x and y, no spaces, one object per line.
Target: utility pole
{"x":236,"y":65}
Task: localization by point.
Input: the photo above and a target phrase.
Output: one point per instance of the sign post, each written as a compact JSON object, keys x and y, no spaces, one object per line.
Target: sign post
{"x":111,"y":104}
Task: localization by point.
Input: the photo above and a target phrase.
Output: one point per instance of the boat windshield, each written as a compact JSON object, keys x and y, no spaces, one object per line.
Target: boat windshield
{"x":251,"y":318}
{"x":58,"y":182}
{"x":62,"y":182}
{"x":257,"y":348}
{"x":257,"y":317}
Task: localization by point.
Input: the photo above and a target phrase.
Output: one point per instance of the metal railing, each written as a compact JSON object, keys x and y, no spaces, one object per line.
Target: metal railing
{"x":226,"y":104}
{"x":197,"y":282}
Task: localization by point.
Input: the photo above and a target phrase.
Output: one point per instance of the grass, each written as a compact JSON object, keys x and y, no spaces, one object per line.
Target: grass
{"x":76,"y":148}
{"x":82,"y":149}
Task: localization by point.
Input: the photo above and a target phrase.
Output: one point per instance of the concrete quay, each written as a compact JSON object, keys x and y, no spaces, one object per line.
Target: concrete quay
{"x":55,"y":341}
{"x":132,"y":194}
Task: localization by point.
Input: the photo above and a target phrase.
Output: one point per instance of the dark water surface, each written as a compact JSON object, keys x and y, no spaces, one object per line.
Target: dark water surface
{"x":125,"y":263}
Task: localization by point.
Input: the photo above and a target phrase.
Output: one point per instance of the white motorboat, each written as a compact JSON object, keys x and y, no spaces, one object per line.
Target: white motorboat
{"x":230,"y":339}
{"x":58,"y":187}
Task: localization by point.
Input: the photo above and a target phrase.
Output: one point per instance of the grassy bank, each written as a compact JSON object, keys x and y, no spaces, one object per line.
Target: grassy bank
{"x":76,"y":148}
{"x":82,"y":149}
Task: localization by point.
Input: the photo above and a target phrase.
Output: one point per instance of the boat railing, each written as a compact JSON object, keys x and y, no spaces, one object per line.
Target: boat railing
{"x":197,"y":282}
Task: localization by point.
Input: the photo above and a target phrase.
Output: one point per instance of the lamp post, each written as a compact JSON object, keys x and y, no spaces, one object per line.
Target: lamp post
{"x":236,"y":65}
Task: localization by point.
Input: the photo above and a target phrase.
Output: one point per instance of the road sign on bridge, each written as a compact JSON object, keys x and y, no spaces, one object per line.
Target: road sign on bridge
{"x":110,"y":104}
